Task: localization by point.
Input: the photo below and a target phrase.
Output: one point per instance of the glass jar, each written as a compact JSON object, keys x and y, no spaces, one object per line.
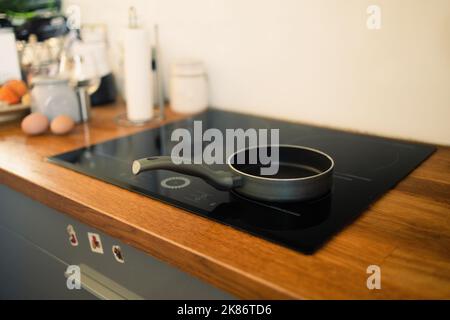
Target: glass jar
{"x":188,"y":87}
{"x":52,"y":96}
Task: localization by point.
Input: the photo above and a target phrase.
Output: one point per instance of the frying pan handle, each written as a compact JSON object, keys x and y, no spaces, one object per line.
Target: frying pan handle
{"x":221,"y":180}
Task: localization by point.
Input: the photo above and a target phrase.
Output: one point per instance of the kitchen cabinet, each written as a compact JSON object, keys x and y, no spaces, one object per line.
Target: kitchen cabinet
{"x":36,"y":252}
{"x":29,"y":272}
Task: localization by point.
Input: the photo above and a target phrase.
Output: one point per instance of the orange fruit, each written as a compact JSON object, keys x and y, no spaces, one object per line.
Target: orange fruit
{"x":18,"y":86}
{"x":9,"y":96}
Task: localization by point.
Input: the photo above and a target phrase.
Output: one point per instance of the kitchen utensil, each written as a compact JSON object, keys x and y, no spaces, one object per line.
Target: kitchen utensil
{"x":304,"y":173}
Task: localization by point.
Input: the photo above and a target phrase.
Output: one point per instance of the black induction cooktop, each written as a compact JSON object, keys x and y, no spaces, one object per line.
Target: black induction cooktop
{"x":365,"y":168}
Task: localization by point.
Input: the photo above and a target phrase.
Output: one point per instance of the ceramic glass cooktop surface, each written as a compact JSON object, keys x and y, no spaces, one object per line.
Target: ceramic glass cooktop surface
{"x":365,"y":168}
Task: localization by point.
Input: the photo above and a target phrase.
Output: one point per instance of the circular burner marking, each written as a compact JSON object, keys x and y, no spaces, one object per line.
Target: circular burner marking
{"x":175,"y":182}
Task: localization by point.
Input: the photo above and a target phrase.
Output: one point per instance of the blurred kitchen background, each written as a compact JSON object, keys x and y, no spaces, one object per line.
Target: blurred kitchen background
{"x":313,"y":61}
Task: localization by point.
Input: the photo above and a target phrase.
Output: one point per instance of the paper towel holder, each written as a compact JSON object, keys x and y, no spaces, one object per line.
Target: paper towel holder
{"x":159,"y":113}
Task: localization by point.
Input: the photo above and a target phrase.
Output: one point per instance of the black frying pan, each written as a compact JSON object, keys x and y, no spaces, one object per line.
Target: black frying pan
{"x":303,"y":174}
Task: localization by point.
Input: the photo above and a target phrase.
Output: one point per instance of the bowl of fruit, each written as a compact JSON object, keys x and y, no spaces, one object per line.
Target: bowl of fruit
{"x":14,"y":100}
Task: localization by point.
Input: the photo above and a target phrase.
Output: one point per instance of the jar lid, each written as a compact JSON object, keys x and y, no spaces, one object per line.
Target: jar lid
{"x":46,"y":80}
{"x":188,"y":67}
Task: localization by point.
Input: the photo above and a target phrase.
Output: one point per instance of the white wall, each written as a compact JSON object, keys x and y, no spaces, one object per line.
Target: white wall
{"x":309,"y":60}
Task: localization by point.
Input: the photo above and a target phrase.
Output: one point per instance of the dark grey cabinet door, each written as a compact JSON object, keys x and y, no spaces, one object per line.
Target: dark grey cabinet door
{"x":35,"y":252}
{"x":28,"y":272}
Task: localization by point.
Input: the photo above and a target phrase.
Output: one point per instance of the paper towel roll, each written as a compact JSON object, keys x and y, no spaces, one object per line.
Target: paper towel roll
{"x":138,"y":75}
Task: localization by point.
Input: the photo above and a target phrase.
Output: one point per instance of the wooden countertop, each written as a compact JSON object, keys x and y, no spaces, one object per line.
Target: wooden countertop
{"x":406,"y":233}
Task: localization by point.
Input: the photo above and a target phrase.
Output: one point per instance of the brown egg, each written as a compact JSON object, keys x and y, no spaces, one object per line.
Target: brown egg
{"x":34,"y":124}
{"x":62,"y":125}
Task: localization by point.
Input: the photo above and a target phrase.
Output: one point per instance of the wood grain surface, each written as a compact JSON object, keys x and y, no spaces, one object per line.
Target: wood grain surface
{"x":406,"y":232}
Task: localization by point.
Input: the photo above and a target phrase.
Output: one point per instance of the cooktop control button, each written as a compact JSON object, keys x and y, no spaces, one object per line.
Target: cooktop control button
{"x":175,"y":182}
